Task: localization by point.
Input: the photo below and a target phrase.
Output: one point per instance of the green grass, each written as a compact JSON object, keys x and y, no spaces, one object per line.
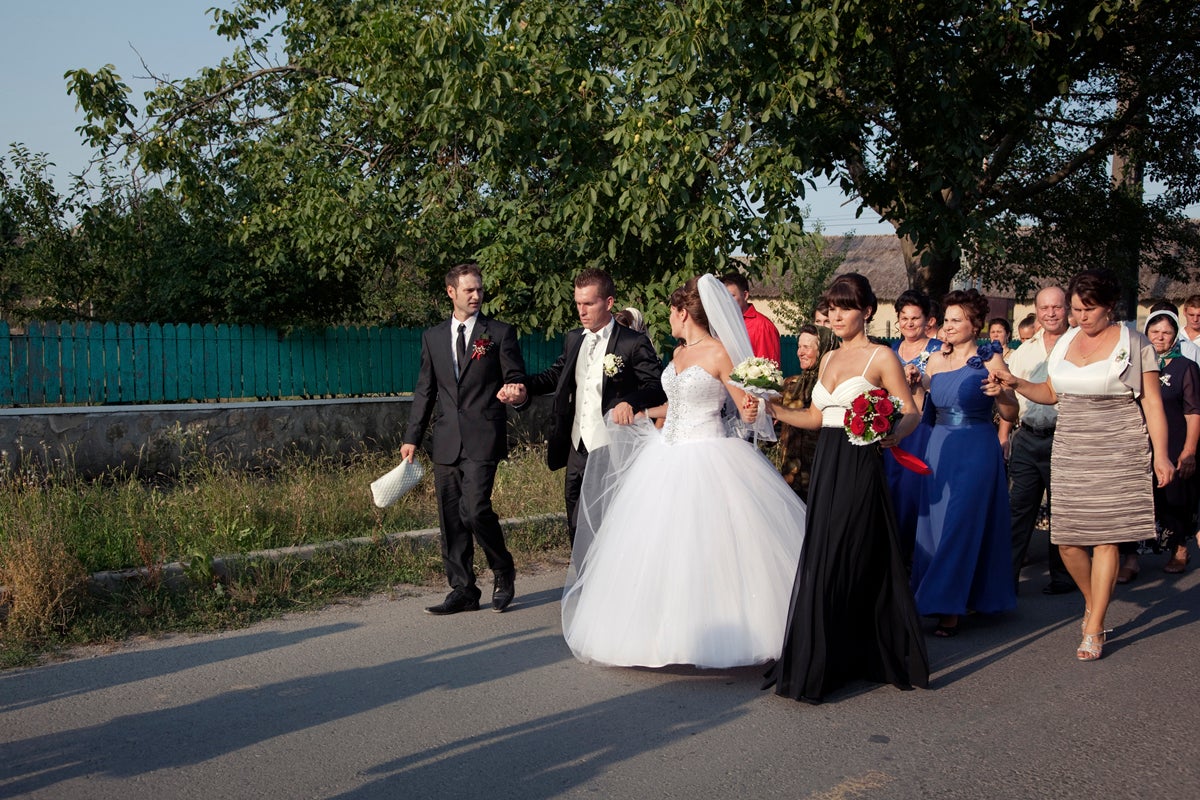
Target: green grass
{"x":63,"y":526}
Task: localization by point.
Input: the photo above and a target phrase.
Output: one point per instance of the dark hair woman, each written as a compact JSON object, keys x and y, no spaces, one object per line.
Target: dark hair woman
{"x":914,"y":348}
{"x":962,"y":559}
{"x":1105,"y":379}
{"x":852,"y":613}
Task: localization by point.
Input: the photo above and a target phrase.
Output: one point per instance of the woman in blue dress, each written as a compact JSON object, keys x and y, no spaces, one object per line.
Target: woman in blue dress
{"x":962,"y":559}
{"x":914,"y":348}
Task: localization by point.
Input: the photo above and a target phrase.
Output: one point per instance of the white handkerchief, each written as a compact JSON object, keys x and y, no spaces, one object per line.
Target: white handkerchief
{"x":397,"y":483}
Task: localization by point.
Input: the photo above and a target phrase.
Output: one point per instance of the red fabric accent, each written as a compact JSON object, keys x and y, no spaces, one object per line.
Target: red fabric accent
{"x":764,"y":336}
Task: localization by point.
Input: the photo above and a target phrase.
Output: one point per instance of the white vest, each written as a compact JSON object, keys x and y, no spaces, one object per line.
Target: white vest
{"x":588,"y":425}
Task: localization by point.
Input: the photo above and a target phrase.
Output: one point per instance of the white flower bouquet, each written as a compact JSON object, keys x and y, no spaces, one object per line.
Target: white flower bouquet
{"x":759,"y":377}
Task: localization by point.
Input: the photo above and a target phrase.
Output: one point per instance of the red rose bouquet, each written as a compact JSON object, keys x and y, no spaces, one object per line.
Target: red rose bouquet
{"x":871,"y":417}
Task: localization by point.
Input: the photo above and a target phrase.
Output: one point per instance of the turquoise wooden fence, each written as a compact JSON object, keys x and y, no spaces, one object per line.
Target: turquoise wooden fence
{"x":84,"y":363}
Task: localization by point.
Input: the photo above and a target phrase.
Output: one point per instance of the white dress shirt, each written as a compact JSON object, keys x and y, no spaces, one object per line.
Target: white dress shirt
{"x":454,"y":323}
{"x":1029,"y":362}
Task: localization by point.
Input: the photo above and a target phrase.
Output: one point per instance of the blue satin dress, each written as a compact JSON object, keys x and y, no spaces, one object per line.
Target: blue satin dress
{"x":962,"y":559}
{"x":905,"y":485}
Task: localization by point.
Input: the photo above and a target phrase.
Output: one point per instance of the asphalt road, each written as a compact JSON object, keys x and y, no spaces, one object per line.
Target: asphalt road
{"x":378,"y":700}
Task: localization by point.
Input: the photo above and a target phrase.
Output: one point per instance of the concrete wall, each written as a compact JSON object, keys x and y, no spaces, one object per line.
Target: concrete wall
{"x":151,"y":439}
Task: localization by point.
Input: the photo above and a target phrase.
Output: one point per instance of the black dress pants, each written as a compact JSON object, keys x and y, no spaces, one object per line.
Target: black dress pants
{"x":1029,"y":478}
{"x":464,"y":492}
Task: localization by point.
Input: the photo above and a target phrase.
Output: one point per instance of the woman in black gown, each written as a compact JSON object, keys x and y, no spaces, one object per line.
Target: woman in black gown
{"x":852,"y":613}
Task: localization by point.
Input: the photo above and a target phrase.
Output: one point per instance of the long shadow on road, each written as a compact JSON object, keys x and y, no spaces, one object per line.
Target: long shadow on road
{"x":188,"y":734}
{"x":25,"y":688}
{"x":544,"y":757}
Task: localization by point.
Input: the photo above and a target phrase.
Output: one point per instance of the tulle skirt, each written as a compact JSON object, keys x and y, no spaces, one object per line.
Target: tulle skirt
{"x":685,"y":554}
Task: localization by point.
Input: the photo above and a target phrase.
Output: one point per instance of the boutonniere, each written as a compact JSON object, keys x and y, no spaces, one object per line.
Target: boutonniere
{"x":1121,"y":356}
{"x":481,"y":346}
{"x":613,"y":364}
{"x":923,"y":361}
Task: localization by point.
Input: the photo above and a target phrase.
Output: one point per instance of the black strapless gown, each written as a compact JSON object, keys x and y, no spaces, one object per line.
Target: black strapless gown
{"x":852,"y":614}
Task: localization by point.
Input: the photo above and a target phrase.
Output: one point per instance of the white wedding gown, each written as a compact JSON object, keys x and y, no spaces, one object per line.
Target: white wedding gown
{"x":687,"y":545}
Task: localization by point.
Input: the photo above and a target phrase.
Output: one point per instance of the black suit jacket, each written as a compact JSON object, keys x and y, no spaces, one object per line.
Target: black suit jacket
{"x":639,"y":383}
{"x":470,"y":420}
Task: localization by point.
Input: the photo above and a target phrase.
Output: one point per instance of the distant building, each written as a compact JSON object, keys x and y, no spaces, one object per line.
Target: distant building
{"x":880,"y":259}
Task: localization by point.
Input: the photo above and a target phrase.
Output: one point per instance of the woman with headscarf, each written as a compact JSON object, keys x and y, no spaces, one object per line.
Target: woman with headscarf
{"x":1175,"y":503}
{"x":796,"y":445}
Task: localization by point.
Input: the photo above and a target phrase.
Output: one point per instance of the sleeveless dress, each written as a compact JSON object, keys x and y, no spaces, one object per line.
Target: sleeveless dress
{"x":852,"y":613}
{"x":687,"y":543}
{"x":904,"y":484}
{"x":963,"y":556}
{"x":1100,"y":468}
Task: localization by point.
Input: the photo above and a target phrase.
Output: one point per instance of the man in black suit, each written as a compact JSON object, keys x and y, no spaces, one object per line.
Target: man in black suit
{"x":604,"y":367}
{"x":464,"y":363}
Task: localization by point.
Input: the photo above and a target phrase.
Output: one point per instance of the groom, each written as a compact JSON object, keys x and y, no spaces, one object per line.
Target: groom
{"x":464,"y":363}
{"x":603,"y":367}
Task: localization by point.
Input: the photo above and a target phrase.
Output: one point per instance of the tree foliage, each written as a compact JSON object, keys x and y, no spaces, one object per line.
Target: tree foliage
{"x":372,"y":144}
{"x":960,"y":119}
{"x":537,"y":137}
{"x":118,"y":250}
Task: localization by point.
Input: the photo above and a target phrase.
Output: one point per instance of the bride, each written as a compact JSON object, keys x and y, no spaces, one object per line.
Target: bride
{"x":688,"y":539}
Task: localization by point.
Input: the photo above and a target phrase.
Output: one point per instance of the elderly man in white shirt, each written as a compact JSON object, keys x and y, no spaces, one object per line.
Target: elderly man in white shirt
{"x":1033,"y":440}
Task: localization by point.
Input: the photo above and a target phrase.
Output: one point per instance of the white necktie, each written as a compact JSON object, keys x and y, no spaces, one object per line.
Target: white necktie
{"x":593,"y":340}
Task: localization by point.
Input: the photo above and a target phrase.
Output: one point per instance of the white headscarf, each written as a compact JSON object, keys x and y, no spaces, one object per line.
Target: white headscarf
{"x":1187,"y":348}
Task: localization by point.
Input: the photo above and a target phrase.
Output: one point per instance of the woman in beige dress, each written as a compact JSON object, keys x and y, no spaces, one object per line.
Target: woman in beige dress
{"x":1104,"y":378}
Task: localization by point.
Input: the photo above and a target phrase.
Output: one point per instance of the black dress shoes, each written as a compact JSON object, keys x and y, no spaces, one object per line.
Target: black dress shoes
{"x":455,"y":602}
{"x":1059,"y":587}
{"x":503,"y":592}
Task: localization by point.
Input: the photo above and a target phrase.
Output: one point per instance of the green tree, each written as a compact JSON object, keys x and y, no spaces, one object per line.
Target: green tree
{"x":369,"y":138}
{"x":953,"y":118}
{"x":809,"y":273}
{"x":41,"y":260}
{"x":537,"y":137}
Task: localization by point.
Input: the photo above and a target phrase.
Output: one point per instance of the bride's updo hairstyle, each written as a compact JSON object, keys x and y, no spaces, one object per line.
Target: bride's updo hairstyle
{"x":687,"y":298}
{"x":852,"y":291}
{"x":973,"y":304}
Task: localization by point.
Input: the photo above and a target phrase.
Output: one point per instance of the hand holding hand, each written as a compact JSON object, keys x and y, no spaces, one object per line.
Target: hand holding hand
{"x":622,"y":414}
{"x":512,"y":394}
{"x":992,"y":386}
{"x":912,"y":374}
{"x":1002,"y":376}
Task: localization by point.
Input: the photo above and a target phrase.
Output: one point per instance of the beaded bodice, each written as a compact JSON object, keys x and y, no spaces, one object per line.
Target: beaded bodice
{"x":695,"y":398}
